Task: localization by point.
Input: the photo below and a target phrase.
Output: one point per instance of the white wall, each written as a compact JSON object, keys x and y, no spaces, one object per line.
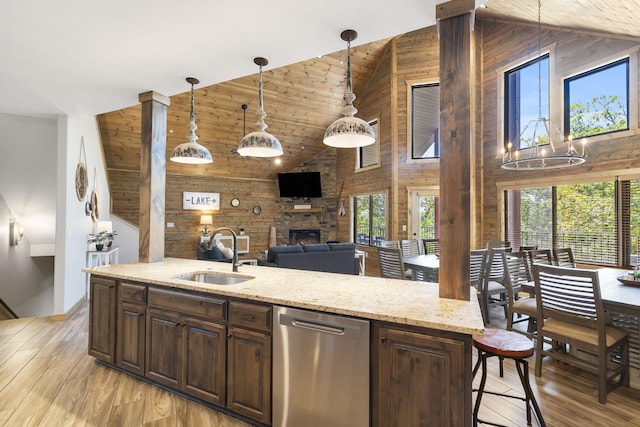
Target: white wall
{"x":37,"y":181}
{"x":27,"y":283}
{"x":127,"y":240}
{"x":27,"y":193}
{"x":72,"y":224}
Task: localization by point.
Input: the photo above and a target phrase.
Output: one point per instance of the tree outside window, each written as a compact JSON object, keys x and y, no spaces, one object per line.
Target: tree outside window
{"x":370,"y":219}
{"x":597,"y":101}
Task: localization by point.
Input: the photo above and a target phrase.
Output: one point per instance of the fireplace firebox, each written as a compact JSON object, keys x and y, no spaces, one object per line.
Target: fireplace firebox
{"x":303,"y":236}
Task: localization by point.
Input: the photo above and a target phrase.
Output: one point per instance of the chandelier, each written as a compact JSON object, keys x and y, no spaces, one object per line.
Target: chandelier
{"x":546,"y":139}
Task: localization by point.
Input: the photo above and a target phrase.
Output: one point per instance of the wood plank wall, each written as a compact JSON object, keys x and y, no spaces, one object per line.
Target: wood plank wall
{"x":181,"y":240}
{"x":412,"y":57}
{"x":503,"y":44}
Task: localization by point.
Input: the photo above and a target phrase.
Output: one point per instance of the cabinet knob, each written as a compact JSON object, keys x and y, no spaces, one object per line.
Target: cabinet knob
{"x":383,"y":340}
{"x":229,"y":336}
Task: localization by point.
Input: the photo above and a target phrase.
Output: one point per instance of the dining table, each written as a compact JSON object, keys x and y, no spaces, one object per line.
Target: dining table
{"x":423,"y":267}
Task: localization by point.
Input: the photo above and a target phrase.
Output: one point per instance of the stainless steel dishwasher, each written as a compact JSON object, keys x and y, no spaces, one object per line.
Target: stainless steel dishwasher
{"x":320,"y":369}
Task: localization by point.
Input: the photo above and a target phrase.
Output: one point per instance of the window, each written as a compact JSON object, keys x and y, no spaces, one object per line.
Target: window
{"x":598,"y":220}
{"x":370,"y":155}
{"x":526,"y":91}
{"x":425,"y":121}
{"x":597,"y":101}
{"x":370,"y":219}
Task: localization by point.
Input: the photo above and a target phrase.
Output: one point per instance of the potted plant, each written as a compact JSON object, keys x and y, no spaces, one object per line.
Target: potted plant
{"x":99,"y":239}
{"x":110,"y":236}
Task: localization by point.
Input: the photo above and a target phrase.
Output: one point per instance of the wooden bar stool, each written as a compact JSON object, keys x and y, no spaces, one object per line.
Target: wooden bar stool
{"x":505,"y":345}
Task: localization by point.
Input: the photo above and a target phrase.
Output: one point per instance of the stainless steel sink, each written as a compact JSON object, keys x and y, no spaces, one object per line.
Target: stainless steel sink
{"x":214,"y":278}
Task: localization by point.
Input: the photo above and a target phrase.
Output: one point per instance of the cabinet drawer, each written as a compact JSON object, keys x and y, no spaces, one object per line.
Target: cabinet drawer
{"x":133,"y":292}
{"x":250,"y":315}
{"x":191,"y":303}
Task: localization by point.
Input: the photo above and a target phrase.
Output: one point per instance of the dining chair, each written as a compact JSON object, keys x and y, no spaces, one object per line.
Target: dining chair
{"x":391,"y":263}
{"x":477,"y":265}
{"x":540,"y":256}
{"x":571,"y":312}
{"x":493,"y":291}
{"x":410,"y":247}
{"x":563,"y":257}
{"x":497,"y":244}
{"x":389,"y":244}
{"x":518,"y":277}
{"x":431,"y":246}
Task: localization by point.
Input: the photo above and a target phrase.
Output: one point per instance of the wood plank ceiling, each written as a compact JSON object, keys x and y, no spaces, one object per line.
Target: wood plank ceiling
{"x":302,"y":99}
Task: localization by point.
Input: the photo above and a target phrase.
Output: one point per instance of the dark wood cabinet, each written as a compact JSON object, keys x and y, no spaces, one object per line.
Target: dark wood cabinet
{"x":249,"y":374}
{"x":102,"y":319}
{"x":421,"y":377}
{"x":164,"y":348}
{"x":204,"y":364}
{"x":130,"y":348}
{"x":249,"y":360}
{"x":187,"y":354}
{"x":180,"y":339}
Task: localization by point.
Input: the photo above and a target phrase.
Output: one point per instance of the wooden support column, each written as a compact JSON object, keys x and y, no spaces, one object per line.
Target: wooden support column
{"x":456,"y":108}
{"x":153,"y":165}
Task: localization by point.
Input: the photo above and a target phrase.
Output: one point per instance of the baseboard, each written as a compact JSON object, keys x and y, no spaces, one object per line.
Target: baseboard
{"x":72,"y":310}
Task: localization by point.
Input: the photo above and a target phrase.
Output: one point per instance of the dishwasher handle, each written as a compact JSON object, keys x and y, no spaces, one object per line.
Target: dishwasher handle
{"x":313,"y":326}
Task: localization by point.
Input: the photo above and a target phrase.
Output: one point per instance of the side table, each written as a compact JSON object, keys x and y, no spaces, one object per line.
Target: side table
{"x":98,"y":258}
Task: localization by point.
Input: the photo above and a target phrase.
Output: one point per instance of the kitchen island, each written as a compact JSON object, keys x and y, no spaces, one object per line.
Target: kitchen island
{"x":213,"y":342}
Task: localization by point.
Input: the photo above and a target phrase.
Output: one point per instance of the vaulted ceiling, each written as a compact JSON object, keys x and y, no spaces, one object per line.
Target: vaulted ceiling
{"x":71,"y":57}
{"x":300,"y":100}
{"x":303,"y":98}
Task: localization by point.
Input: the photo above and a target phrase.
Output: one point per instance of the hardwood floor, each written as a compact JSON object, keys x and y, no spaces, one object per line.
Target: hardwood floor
{"x":47,"y":379}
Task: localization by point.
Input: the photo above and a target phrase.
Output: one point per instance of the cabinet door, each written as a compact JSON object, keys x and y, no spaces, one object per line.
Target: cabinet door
{"x":164,"y":345}
{"x":131,"y":337}
{"x":249,"y":374}
{"x":205,"y":360}
{"x":421,"y":380}
{"x":102,"y":319}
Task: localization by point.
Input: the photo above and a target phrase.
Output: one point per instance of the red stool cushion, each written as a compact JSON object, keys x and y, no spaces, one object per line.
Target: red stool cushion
{"x":504,"y":343}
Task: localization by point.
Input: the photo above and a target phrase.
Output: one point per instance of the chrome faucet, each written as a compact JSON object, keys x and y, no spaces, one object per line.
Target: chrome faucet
{"x":234,"y":260}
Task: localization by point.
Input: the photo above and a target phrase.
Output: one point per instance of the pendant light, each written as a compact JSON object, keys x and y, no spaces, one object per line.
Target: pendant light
{"x":191,"y":152}
{"x":260,"y":143}
{"x":349,"y":131}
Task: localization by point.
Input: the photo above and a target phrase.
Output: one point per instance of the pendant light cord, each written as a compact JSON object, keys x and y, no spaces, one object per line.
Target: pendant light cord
{"x":349,"y":85}
{"x":260,"y":91}
{"x":193,"y":112}
{"x":539,"y":62}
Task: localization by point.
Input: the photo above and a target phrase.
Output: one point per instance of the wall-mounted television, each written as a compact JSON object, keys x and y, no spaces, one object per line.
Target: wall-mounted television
{"x":300,"y":184}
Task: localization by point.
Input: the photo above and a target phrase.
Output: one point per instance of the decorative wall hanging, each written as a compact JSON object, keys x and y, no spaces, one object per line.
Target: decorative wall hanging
{"x":95,"y":199}
{"x":82,"y":179}
{"x":201,"y":201}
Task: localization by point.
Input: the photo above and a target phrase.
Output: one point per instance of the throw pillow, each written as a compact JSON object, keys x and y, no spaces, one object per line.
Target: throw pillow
{"x":215,"y":253}
{"x":227,"y":252}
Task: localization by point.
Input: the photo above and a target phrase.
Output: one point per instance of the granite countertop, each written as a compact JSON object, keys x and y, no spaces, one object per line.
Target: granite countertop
{"x":396,"y":301}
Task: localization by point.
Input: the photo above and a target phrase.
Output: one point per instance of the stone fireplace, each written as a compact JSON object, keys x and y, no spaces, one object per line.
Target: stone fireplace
{"x":303,"y":236}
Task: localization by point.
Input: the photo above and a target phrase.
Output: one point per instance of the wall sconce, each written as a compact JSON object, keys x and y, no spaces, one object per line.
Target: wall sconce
{"x":206,"y":220}
{"x":15,"y":232}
